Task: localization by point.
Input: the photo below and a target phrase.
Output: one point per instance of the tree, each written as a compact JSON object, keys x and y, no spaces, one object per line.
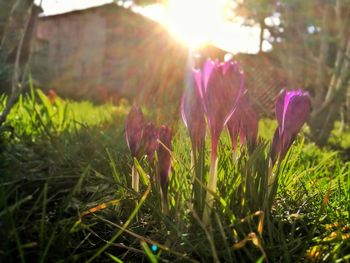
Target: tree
{"x":312,"y":44}
{"x":17,"y":18}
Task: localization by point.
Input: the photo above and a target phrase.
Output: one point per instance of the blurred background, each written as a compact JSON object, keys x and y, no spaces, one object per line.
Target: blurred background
{"x":106,"y":50}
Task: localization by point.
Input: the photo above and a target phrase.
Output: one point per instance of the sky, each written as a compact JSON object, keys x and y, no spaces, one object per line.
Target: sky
{"x":52,"y":7}
{"x":179,"y":18}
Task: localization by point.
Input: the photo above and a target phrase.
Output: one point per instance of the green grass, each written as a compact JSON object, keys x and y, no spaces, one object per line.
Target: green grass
{"x":65,"y":196}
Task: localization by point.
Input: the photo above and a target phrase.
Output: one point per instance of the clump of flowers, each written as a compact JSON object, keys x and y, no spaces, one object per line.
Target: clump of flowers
{"x":216,"y":98}
{"x":150,"y":141}
{"x":192,"y":113}
{"x":221,"y":98}
{"x":146,"y":139}
{"x":292,"y":110}
{"x":134,"y":133}
{"x":243,"y":124}
{"x":220,"y":86}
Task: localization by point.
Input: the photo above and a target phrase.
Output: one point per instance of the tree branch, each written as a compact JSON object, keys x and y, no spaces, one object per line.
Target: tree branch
{"x":16,"y":86}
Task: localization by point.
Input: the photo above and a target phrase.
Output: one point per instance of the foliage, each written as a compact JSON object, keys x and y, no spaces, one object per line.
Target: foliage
{"x":64,"y":194}
{"x":311,"y":42}
{"x":17,"y":19}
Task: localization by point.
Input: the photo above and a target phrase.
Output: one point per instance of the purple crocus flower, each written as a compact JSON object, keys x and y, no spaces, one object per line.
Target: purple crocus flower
{"x":292,"y":110}
{"x":134,"y":128}
{"x":150,"y":140}
{"x":244,"y":123}
{"x":164,"y":158}
{"x":219,"y":85}
{"x":193,"y":116}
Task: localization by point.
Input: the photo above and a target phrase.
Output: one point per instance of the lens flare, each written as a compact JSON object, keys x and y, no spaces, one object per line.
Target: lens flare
{"x":195,"y":22}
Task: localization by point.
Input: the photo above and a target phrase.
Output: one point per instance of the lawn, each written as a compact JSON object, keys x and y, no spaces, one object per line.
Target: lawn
{"x":65,"y":194}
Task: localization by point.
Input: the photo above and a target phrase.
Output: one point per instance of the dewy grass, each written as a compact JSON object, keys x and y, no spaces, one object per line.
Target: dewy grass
{"x":56,"y":172}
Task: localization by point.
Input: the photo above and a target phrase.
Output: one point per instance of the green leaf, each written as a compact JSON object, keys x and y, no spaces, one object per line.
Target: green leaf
{"x":152,"y":258}
{"x":143,"y":175}
{"x":114,"y":258}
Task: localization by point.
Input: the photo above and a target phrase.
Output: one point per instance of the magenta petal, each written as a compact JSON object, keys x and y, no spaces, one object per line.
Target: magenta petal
{"x":226,"y":66}
{"x":134,"y":130}
{"x":222,"y":94}
{"x":233,"y":126}
{"x":197,"y":75}
{"x":150,"y":140}
{"x":244,"y":122}
{"x":193,"y":116}
{"x":292,"y":107}
{"x":208,"y":69}
{"x":251,"y":126}
{"x":292,"y":111}
{"x":242,"y":137}
{"x":279,"y":108}
{"x":220,"y":86}
{"x":286,"y":141}
{"x":298,"y":110}
{"x":275,"y":147}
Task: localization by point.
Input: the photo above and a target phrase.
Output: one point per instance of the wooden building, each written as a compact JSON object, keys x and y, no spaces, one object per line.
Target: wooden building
{"x":109,"y":51}
{"x":106,"y":51}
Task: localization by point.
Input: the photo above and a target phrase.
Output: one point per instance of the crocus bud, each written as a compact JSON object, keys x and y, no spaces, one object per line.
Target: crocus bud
{"x":292,"y":110}
{"x":244,"y":123}
{"x":52,"y":95}
{"x":134,"y":130}
{"x":150,"y":140}
{"x":164,"y":158}
{"x":219,"y":85}
{"x":193,"y":116}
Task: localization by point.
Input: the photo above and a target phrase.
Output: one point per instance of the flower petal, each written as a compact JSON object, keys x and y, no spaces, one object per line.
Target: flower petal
{"x":222,"y":94}
{"x":292,"y":110}
{"x":207,"y":70}
{"x":193,"y":116}
{"x":279,"y":109}
{"x":297,"y":112}
{"x":150,"y":140}
{"x":275,"y":147}
{"x":244,"y":122}
{"x":134,"y":130}
{"x":197,"y":75}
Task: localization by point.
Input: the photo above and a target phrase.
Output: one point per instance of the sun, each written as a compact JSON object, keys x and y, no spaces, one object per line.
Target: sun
{"x":194,"y":22}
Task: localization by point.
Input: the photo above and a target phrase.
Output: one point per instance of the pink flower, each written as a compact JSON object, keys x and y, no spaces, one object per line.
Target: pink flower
{"x":292,"y":110}
{"x":244,"y":123}
{"x":134,"y":129}
{"x":219,"y":85}
{"x":193,"y":116}
{"x":150,"y":140}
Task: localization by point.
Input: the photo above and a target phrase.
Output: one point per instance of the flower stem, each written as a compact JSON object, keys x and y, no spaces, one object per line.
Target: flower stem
{"x":135,"y":179}
{"x":272,"y":183}
{"x":164,"y":203}
{"x":197,"y":163}
{"x":271,"y":178}
{"x":209,"y":198}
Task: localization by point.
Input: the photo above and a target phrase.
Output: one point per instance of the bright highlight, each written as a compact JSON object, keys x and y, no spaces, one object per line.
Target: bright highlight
{"x":195,"y":22}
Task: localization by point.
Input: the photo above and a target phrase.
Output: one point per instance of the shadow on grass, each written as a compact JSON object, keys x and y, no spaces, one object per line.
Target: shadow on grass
{"x":46,"y":183}
{"x":64,"y":197}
